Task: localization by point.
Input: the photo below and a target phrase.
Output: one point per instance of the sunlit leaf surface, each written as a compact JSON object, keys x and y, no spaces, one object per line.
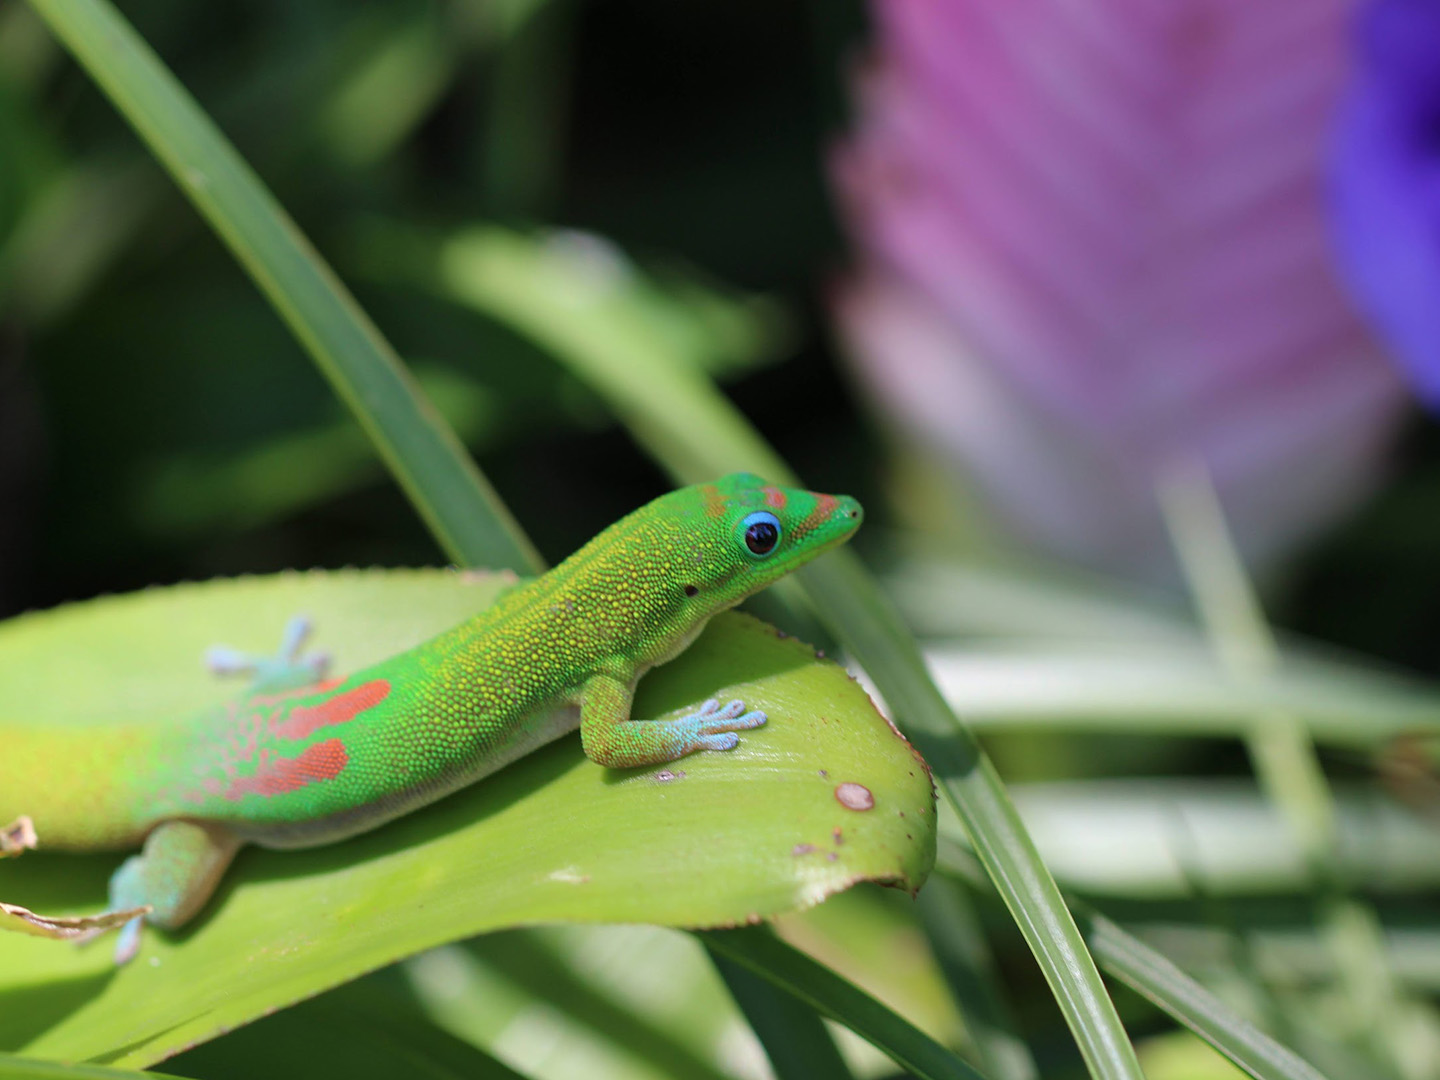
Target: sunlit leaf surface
{"x":712,"y":840}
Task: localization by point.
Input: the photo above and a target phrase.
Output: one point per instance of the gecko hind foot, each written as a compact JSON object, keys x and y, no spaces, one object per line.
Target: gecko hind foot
{"x":127,"y":942}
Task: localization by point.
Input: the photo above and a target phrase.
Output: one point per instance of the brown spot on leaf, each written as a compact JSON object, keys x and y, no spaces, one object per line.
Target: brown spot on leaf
{"x":854,"y":796}
{"x":18,"y":836}
{"x":802,"y":849}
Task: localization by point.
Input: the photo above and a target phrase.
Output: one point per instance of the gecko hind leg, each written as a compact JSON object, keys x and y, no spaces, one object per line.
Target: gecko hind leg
{"x":289,"y":669}
{"x":174,"y":874}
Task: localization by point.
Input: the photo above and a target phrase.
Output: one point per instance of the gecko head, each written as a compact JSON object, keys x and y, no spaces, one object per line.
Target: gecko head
{"x":752,"y":533}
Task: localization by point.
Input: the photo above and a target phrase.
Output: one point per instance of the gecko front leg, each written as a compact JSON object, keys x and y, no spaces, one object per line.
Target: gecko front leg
{"x":611,"y":738}
{"x":290,"y":668}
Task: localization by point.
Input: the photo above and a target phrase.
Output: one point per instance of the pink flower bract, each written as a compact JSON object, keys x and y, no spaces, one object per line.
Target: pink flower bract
{"x":1093,"y":241}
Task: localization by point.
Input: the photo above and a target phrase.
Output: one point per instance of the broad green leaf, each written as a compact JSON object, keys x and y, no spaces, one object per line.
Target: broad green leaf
{"x":603,"y":1002}
{"x":1179,"y":1055}
{"x":712,"y":840}
{"x":16,"y":837}
{"x":367,"y":1030}
{"x":18,"y":1068}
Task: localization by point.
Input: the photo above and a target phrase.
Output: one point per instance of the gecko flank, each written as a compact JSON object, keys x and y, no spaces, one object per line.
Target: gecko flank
{"x":298,"y":762}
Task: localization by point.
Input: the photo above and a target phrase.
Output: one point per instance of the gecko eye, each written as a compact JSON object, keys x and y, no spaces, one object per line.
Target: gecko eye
{"x":762,"y":533}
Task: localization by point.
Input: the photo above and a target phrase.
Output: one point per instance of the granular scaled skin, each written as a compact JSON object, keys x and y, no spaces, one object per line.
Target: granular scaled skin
{"x":317,"y":764}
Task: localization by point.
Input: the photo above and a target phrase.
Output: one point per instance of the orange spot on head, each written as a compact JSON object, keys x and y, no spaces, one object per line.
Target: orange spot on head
{"x":305,"y":720}
{"x":774,"y":497}
{"x":824,"y":507}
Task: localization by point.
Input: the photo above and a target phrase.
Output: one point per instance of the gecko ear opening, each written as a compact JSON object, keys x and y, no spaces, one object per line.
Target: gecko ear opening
{"x":691,"y":590}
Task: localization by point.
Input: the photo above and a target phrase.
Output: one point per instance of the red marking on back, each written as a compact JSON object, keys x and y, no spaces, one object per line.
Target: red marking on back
{"x":304,"y":720}
{"x":824,"y":507}
{"x":774,"y":497}
{"x":262,"y":700}
{"x":277,"y":775}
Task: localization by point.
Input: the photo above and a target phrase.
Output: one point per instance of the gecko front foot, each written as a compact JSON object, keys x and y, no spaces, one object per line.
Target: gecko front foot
{"x":611,"y":738}
{"x":715,"y":726}
{"x":287,"y":669}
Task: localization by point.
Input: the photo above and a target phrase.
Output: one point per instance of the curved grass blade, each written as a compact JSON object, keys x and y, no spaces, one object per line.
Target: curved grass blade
{"x":1174,"y":691}
{"x":449,"y":492}
{"x":1159,"y":838}
{"x":795,"y":1041}
{"x":592,"y":323}
{"x":453,"y":498}
{"x":1154,"y":977}
{"x":1282,"y":752}
{"x":970,"y":969}
{"x":758,"y":950}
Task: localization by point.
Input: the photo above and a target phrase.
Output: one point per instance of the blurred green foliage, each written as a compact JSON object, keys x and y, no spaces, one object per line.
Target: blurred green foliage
{"x":165,"y":425}
{"x":157,"y":423}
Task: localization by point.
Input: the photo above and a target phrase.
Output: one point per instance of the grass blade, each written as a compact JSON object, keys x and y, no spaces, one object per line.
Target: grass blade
{"x":761,"y":952}
{"x":795,"y":1040}
{"x":584,"y":315}
{"x":1283,"y":753}
{"x":965,"y":959}
{"x":454,"y":499}
{"x":1154,"y":977}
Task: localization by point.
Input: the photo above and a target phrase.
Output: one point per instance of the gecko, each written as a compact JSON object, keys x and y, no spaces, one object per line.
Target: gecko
{"x":299,"y":760}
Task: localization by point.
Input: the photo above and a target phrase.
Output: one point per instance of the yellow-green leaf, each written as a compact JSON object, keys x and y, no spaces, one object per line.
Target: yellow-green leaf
{"x":711,"y":840}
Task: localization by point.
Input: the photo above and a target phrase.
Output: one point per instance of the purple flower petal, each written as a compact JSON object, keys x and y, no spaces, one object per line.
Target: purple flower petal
{"x":1386,"y":183}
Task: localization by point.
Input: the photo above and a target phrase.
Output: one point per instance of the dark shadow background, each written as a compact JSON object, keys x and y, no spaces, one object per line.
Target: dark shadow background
{"x":692,"y":135}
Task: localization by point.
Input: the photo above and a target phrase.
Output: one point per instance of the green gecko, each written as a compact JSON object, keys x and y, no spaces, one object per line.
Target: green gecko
{"x":299,"y":761}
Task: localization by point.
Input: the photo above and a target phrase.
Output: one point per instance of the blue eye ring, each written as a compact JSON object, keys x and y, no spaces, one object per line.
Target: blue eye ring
{"x":761,"y":531}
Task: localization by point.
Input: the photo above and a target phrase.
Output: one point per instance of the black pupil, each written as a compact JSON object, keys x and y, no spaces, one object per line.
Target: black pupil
{"x":761,"y":536}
